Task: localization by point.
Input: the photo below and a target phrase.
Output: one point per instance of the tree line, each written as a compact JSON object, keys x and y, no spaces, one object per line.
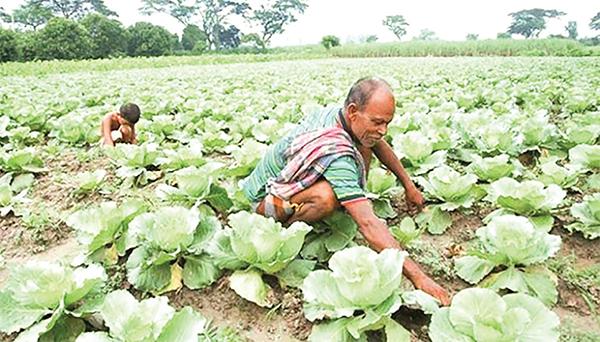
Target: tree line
{"x":527,"y":23}
{"x":77,"y":29}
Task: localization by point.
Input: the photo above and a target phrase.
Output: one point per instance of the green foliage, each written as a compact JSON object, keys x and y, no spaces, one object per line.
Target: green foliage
{"x":89,"y":181}
{"x":587,"y":214}
{"x":103,"y":231}
{"x":526,"y":198}
{"x":416,"y":151}
{"x":147,"y":320}
{"x":359,"y":294}
{"x":481,"y":315}
{"x":109,"y":37}
{"x":514,"y":242}
{"x":492,"y":168}
{"x":587,"y":156}
{"x":397,"y":24}
{"x":274,"y":16}
{"x":472,"y":36}
{"x":571,"y":29}
{"x":22,"y":161}
{"x":595,"y":22}
{"x":193,"y":39}
{"x":169,"y":238}
{"x":447,"y":185}
{"x":382,"y":187}
{"x":229,"y":37}
{"x":148,"y":40}
{"x":63,"y":39}
{"x":8,"y":46}
{"x":133,"y":162}
{"x":75,"y":9}
{"x":254,"y":244}
{"x":330,"y":41}
{"x":11,"y":194}
{"x":214,"y":14}
{"x":529,"y":23}
{"x":32,"y":14}
{"x":426,"y":34}
{"x":38,"y":289}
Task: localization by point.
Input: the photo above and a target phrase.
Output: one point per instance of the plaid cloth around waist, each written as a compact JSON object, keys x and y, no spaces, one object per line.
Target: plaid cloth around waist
{"x":308,"y":156}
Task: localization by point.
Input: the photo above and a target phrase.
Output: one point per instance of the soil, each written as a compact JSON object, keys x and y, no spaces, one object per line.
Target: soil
{"x":285,"y":320}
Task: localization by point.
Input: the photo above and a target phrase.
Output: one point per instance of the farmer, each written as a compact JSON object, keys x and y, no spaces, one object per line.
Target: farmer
{"x":120,"y":126}
{"x":322,"y":165}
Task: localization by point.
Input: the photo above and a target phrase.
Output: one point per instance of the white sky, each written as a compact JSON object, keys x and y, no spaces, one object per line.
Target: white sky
{"x":347,"y":19}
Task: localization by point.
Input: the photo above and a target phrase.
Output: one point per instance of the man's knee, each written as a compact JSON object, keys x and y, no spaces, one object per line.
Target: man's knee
{"x":324,"y":198}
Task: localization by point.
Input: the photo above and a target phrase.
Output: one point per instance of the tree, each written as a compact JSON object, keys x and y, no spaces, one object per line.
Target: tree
{"x":273,"y":17}
{"x":572,"y":29}
{"x":229,"y":37}
{"x":4,"y":16}
{"x":503,"y":35}
{"x":426,"y":34}
{"x":212,"y":13}
{"x":8,"y":46}
{"x":109,"y":37}
{"x":529,"y":23}
{"x":330,"y":41}
{"x":595,"y":22}
{"x":28,"y":45}
{"x":472,"y":36}
{"x":149,"y":40}
{"x":75,"y":9}
{"x":63,"y":39}
{"x":182,"y":10}
{"x":396,"y":24}
{"x":372,"y":38}
{"x":32,"y":14}
{"x":193,"y":38}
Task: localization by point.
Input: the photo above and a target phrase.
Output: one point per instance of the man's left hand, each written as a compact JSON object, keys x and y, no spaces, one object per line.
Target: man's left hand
{"x":429,"y":286}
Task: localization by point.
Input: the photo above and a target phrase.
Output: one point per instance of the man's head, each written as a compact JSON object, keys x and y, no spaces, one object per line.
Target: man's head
{"x":368,"y":110}
{"x":130,"y":112}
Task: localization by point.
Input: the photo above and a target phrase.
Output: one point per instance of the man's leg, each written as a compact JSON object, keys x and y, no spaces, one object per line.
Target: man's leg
{"x":317,"y":202}
{"x":312,"y":204}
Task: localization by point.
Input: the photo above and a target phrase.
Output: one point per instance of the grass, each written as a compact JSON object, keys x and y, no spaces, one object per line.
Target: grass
{"x":582,"y":280}
{"x":415,"y":48}
{"x":478,"y":48}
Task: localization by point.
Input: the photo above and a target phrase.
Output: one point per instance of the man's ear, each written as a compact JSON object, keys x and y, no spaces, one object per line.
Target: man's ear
{"x":352,"y":110}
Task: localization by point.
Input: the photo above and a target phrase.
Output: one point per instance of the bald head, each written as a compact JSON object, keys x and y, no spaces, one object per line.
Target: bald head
{"x":363,"y":90}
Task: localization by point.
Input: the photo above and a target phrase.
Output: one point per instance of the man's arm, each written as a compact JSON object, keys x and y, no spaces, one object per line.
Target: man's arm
{"x":106,"y":123}
{"x":386,"y":155}
{"x":379,"y":237}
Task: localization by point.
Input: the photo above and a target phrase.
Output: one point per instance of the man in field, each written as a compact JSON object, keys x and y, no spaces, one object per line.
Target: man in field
{"x":322,"y":164}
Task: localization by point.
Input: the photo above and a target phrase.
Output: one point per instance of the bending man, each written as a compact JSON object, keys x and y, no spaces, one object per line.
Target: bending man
{"x":322,"y":165}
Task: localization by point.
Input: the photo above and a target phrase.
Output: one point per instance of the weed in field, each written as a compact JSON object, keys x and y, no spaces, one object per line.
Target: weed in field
{"x":585,"y":281}
{"x":427,"y":254}
{"x":220,"y":335}
{"x":569,"y":332}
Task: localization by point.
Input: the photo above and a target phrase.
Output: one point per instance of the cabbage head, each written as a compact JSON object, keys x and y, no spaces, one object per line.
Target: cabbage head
{"x":482,"y":315}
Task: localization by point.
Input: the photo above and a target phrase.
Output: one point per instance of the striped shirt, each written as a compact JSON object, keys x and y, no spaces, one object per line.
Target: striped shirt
{"x":343,"y":173}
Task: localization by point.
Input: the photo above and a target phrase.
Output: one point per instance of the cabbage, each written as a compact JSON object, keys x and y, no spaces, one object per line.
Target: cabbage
{"x":514,"y":242}
{"x":481,"y":315}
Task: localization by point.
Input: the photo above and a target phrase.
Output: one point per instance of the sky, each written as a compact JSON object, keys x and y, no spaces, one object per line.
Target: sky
{"x":351,"y":19}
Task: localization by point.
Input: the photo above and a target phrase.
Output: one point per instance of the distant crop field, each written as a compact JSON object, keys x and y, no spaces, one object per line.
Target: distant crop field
{"x":504,"y":149}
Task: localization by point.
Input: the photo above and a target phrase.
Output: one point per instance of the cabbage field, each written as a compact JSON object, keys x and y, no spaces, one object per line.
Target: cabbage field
{"x":156,"y":242}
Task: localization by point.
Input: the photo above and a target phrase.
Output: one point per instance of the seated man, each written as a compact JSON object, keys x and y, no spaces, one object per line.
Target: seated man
{"x":322,"y":165}
{"x":120,"y":126}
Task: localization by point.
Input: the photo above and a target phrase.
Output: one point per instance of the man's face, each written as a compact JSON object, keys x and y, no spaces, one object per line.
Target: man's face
{"x":369,"y":125}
